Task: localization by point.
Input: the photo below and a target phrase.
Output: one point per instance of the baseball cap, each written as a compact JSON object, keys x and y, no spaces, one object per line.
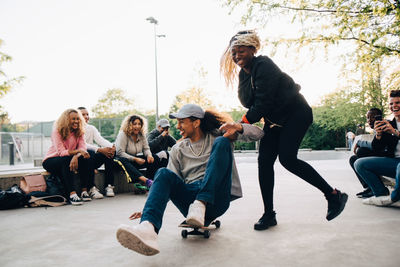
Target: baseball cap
{"x":163,"y":123}
{"x":188,"y":110}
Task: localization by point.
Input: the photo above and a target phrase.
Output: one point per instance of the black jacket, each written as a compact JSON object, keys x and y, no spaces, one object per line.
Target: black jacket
{"x":267,"y":91}
{"x":387,"y":144}
{"x":157,"y":142}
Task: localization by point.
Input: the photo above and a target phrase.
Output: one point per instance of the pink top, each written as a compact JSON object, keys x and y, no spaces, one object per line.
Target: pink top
{"x":60,"y":148}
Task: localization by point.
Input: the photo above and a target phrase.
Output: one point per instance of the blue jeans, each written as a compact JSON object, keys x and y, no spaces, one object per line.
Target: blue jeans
{"x":214,"y":188}
{"x":350,"y":142}
{"x":370,"y":168}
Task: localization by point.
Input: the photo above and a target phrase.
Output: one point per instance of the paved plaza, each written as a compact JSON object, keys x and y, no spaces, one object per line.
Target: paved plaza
{"x":85,"y":235}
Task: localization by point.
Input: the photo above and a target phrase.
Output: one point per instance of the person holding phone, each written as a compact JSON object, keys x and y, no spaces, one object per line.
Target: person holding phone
{"x":160,"y":140}
{"x":363,"y":148}
{"x":386,"y":141}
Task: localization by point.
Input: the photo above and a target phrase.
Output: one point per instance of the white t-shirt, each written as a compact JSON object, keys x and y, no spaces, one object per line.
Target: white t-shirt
{"x":92,"y":135}
{"x":350,"y":135}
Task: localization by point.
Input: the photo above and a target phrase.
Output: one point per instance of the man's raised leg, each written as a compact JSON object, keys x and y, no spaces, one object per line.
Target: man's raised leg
{"x":142,"y":238}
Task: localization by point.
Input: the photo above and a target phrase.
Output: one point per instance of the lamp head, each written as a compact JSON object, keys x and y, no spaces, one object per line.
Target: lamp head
{"x":152,"y":20}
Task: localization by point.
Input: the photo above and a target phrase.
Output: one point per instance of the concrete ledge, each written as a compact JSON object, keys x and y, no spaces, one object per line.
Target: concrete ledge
{"x":121,"y":185}
{"x":341,"y":149}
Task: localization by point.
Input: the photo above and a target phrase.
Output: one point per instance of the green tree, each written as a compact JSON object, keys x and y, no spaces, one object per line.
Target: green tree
{"x":6,"y":84}
{"x":114,"y":103}
{"x":192,"y":96}
{"x":373,"y":26}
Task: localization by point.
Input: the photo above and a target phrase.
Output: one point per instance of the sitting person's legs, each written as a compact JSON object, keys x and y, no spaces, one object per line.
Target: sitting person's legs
{"x":370,"y":168}
{"x":95,"y":161}
{"x":361,"y":153}
{"x":60,"y":167}
{"x":133,"y":172}
{"x":395,"y":196}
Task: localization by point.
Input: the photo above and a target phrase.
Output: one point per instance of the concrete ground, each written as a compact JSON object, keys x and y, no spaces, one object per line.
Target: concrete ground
{"x":85,"y":235}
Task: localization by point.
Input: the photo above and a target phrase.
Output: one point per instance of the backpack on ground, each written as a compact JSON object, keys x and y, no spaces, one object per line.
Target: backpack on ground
{"x":13,"y":198}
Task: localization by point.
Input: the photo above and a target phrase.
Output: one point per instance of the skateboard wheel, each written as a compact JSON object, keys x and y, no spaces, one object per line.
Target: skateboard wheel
{"x":184,"y":233}
{"x":217,"y":224}
{"x":206,"y":234}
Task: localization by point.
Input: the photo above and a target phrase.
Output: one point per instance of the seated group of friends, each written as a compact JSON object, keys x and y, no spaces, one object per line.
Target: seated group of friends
{"x":379,"y":157}
{"x":78,"y":148}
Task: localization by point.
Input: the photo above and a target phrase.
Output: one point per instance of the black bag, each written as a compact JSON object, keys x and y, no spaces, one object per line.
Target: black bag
{"x":13,"y":198}
{"x":54,"y":186}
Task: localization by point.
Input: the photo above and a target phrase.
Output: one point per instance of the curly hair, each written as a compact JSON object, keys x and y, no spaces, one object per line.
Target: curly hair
{"x":212,"y":120}
{"x":63,"y":124}
{"x":228,"y":68}
{"x":128,"y":120}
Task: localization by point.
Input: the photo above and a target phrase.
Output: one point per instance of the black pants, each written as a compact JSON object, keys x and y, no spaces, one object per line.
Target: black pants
{"x":361,"y":153}
{"x":96,"y":160}
{"x":285,"y":142}
{"x":134,"y":169}
{"x":59,"y":166}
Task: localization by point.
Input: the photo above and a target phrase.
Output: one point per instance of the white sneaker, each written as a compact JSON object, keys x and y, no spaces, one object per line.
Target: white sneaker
{"x":162,"y":155}
{"x":85,"y":196}
{"x":196,"y":213}
{"x":95,"y":193}
{"x":378,"y":201}
{"x":140,"y":238}
{"x":110,"y":191}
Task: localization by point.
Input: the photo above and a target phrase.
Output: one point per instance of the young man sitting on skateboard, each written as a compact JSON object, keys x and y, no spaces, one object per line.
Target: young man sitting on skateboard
{"x":201,"y":178}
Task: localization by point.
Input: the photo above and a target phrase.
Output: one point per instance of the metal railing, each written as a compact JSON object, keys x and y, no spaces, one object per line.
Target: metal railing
{"x":21,"y":147}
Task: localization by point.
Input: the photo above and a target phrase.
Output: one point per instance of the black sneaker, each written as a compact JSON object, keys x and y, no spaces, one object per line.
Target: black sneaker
{"x":267,"y":220}
{"x":336,"y":203}
{"x":85,"y":196}
{"x":75,"y":200}
{"x":366,"y":191}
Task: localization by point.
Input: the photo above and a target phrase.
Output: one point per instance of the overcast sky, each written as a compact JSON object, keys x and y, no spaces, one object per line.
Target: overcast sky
{"x":72,"y":51}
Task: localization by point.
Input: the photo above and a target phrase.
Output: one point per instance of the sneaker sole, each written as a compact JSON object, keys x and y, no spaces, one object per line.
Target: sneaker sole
{"x":260,"y":228}
{"x":135,"y":243}
{"x":110,"y":195}
{"x":342,"y":205}
{"x":76,"y":203}
{"x":193,"y":222}
{"x":93,"y":197}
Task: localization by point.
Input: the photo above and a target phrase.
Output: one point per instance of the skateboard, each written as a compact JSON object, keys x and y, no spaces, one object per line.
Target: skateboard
{"x":203,"y":231}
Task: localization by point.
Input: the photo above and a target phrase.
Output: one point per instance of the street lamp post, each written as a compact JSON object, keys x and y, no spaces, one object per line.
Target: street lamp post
{"x":155,"y":22}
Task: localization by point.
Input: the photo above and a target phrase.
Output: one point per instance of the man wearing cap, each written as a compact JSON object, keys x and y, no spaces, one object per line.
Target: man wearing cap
{"x":201,"y":177}
{"x":159,"y":141}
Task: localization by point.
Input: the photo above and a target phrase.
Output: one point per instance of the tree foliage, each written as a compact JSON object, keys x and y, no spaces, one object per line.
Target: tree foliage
{"x":372,"y":25}
{"x":6,"y":84}
{"x":114,"y":103}
{"x":193,"y":95}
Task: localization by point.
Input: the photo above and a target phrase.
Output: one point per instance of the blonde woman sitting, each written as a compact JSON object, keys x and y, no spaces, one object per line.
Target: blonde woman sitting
{"x":67,"y":154}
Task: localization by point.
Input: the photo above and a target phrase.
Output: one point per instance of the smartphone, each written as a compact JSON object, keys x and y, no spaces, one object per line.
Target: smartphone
{"x":378,"y":117}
